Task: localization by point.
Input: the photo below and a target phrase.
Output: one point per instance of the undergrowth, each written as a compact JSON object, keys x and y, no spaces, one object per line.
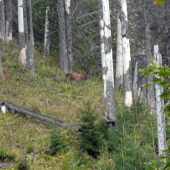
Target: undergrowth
{"x":96,"y":146}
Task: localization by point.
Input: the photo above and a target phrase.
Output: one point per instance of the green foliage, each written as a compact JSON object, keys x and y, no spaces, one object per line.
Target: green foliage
{"x":23,"y":164}
{"x":92,"y":131}
{"x":159,"y":1}
{"x":5,"y":156}
{"x":29,"y":148}
{"x":56,"y":140}
{"x":162,"y":79}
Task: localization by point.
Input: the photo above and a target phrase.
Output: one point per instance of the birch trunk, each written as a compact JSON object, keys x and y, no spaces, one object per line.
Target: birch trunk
{"x":108,"y":66}
{"x":126,"y":56}
{"x":101,"y":27}
{"x":8,"y":35}
{"x":119,"y":52}
{"x":22,"y":48}
{"x":161,"y":128}
{"x":2,"y":20}
{"x":69,"y":34}
{"x":47,"y":34}
{"x":62,"y":37}
{"x":150,"y":90}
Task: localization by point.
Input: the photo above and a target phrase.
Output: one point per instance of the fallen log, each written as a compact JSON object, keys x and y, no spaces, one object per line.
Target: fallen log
{"x":37,"y":115}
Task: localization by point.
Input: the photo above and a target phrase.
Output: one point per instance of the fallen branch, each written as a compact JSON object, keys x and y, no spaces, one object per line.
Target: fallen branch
{"x":68,"y":95}
{"x":37,"y":115}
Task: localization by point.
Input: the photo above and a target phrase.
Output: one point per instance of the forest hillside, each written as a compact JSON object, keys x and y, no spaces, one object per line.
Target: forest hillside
{"x":132,"y":146}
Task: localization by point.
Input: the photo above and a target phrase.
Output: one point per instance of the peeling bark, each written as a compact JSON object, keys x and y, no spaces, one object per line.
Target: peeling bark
{"x":47,"y":34}
{"x":119,"y":52}
{"x":107,"y":59}
{"x":22,"y":48}
{"x":126,"y":56}
{"x":161,"y":127}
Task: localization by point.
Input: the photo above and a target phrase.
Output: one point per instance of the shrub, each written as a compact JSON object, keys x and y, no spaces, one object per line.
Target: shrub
{"x":93,"y":132}
{"x":56,"y":141}
{"x":23,"y":164}
{"x":5,"y":156}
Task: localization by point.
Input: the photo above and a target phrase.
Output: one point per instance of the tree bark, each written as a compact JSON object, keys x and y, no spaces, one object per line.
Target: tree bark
{"x":108,"y":66}
{"x":167,"y":5}
{"x":47,"y":34}
{"x":30,"y":44}
{"x":25,"y":20}
{"x":126,"y":56}
{"x":62,"y":37}
{"x":2,"y":20}
{"x":161,"y":128}
{"x":101,"y":27}
{"x":150,"y":90}
{"x":1,"y":71}
{"x":8,"y":35}
{"x":135,"y":80}
{"x":69,"y":34}
{"x":119,"y":52}
{"x":22,"y":48}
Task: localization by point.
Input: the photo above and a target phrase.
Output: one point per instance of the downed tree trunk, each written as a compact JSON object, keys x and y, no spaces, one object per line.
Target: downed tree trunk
{"x":37,"y":115}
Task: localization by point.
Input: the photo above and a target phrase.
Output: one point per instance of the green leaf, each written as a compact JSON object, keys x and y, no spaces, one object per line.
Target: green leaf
{"x":159,"y":1}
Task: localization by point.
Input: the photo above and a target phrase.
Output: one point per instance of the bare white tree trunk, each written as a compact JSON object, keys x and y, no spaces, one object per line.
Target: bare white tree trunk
{"x":101,"y":25}
{"x":119,"y":52}
{"x":8,"y":20}
{"x":69,"y":34}
{"x":107,"y":62}
{"x":47,"y":34}
{"x":161,"y":128}
{"x":2,"y":20}
{"x":22,"y":48}
{"x":126,"y":56}
{"x":62,"y":37}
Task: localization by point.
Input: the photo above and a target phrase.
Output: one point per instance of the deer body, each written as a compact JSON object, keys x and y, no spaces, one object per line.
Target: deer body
{"x":75,"y":76}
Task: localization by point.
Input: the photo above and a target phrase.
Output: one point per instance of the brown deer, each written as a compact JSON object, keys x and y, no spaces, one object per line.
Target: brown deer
{"x":77,"y":77}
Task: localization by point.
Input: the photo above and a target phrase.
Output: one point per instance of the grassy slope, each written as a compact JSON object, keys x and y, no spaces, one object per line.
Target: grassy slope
{"x":24,"y":89}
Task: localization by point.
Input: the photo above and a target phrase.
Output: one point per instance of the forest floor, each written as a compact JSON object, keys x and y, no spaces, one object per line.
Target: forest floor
{"x":40,"y":92}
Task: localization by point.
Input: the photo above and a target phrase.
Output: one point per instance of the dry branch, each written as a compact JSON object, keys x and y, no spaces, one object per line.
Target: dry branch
{"x":68,"y":95}
{"x":37,"y":115}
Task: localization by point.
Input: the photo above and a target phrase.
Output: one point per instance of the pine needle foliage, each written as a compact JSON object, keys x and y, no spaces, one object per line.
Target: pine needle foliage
{"x":56,"y":140}
{"x":93,"y":132}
